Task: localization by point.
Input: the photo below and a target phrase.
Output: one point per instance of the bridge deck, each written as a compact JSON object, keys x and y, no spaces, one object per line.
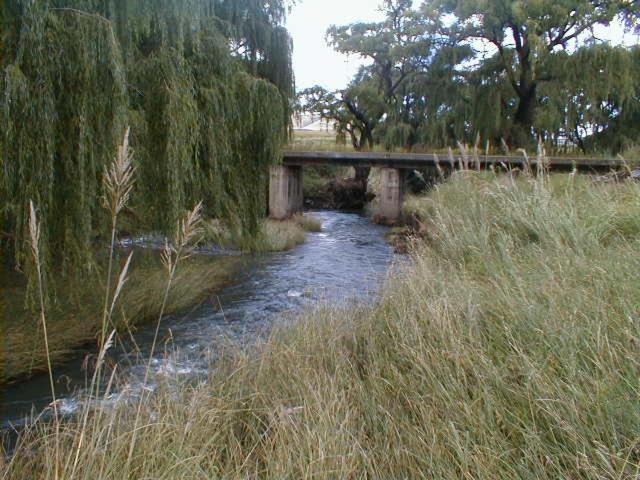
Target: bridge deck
{"x":423,"y":160}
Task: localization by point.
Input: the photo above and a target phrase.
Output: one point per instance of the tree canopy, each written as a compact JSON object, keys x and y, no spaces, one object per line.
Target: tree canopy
{"x":526,"y":36}
{"x":449,"y":71}
{"x":205,"y":85}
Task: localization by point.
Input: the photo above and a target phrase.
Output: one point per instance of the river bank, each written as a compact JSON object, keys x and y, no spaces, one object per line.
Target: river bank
{"x":345,"y":261}
{"x":507,"y":349}
{"x":74,"y":315}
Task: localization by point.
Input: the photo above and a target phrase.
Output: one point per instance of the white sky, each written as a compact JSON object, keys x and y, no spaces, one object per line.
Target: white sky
{"x":316,"y":63}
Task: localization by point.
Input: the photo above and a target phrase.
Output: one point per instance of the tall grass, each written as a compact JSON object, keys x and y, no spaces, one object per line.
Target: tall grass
{"x":187,"y":232}
{"x":508,"y":348}
{"x":273,"y":236}
{"x":280,"y":236}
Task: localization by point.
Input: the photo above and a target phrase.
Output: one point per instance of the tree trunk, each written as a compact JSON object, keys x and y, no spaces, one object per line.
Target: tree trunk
{"x":354,"y":141}
{"x":365,"y":143}
{"x":369,"y":138}
{"x":525,"y":116}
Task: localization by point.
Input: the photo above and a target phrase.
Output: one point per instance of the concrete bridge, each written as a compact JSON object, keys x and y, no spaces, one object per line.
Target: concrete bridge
{"x":286,"y":196}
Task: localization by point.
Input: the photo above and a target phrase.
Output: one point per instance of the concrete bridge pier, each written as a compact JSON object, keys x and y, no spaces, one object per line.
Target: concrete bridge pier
{"x":286,"y":197}
{"x":392,"y":190}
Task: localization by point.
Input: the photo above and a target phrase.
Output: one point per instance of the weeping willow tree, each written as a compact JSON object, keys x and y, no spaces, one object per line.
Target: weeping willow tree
{"x":594,"y":103}
{"x":206,"y":120}
{"x":255,"y":26}
{"x":64,"y":105}
{"x":462,"y":71}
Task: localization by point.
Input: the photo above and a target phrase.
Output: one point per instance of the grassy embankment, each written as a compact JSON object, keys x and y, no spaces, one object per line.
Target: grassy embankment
{"x":509,"y":348}
{"x":275,"y":235}
{"x":74,"y":315}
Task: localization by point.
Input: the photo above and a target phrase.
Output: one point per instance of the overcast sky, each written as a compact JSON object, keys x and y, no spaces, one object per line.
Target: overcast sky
{"x":315,"y":63}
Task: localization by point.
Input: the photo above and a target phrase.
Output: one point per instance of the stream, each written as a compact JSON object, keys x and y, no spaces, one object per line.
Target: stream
{"x":346,"y":262}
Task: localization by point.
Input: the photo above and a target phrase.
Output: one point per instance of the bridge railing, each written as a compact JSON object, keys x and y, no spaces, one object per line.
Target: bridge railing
{"x":456,"y":161}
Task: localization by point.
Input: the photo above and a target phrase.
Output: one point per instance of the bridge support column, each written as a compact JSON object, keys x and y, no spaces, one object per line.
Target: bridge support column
{"x":392,"y":194}
{"x":286,"y":197}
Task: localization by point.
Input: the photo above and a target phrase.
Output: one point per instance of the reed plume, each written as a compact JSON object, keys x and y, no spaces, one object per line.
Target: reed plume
{"x":34,"y":235}
{"x":117,"y":182}
{"x":187,"y":231}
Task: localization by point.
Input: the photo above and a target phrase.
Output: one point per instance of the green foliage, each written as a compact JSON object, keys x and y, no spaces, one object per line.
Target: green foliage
{"x":206,"y":122}
{"x":259,"y":38}
{"x":527,"y":37}
{"x":63,"y":110}
{"x":594,"y":99}
{"x":458,"y":71}
{"x":396,"y":95}
{"x":75,"y":320}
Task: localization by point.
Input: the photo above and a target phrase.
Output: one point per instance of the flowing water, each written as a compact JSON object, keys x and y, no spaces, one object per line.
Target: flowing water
{"x":345,"y":262}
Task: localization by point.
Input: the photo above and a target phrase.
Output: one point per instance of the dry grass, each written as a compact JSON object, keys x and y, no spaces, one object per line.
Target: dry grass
{"x":308,"y":223}
{"x":507,"y":349}
{"x":279,"y":236}
{"x":312,"y":140}
{"x":275,"y":235}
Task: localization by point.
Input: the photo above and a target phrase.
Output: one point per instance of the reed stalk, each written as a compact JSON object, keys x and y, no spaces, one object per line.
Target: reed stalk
{"x":117,"y":181}
{"x":34,"y":234}
{"x":186,"y":233}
